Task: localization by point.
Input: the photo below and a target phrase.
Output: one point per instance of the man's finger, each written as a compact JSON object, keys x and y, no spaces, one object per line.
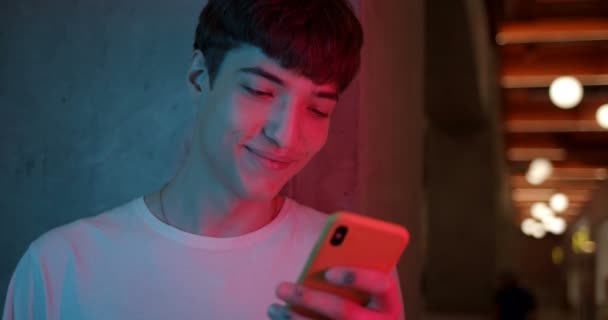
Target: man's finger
{"x":279,"y":312}
{"x":327,"y":304}
{"x":383,"y":287}
{"x":367,"y":280}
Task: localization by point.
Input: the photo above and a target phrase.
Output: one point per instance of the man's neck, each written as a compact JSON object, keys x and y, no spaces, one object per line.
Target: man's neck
{"x":207,"y":210}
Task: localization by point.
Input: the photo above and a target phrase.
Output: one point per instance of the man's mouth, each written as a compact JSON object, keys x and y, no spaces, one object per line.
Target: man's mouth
{"x":270,"y":161}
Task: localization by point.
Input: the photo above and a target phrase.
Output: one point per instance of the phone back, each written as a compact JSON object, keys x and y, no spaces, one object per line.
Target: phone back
{"x":350,"y":239}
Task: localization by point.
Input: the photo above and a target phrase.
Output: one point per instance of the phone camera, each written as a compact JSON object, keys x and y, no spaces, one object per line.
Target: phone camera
{"x":339,"y":235}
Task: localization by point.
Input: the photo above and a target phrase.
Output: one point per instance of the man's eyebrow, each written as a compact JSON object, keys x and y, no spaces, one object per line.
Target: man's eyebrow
{"x":271,"y":77}
{"x":263,"y":73}
{"x":327,"y":95}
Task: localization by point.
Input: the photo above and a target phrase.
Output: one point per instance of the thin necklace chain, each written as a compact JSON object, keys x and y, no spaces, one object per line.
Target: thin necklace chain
{"x":275,"y":206}
{"x":162,"y":207}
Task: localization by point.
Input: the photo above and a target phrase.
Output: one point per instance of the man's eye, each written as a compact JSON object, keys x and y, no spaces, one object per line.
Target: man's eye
{"x":319,"y":113}
{"x":257,"y":93}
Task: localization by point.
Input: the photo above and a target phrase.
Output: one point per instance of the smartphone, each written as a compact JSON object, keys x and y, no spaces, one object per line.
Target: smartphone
{"x":350,"y":239}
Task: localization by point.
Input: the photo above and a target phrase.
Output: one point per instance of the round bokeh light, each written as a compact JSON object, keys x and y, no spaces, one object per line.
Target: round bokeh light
{"x":566,"y":92}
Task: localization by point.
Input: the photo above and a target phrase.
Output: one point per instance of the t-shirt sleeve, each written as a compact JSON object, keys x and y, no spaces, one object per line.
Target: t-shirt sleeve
{"x":26,"y":298}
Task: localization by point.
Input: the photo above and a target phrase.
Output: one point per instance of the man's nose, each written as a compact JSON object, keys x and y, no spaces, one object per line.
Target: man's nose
{"x":282,"y":126}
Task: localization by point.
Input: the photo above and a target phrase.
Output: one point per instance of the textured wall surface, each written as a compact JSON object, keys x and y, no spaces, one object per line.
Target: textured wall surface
{"x":93,"y":106}
{"x":391,"y":128}
{"x":373,"y":162}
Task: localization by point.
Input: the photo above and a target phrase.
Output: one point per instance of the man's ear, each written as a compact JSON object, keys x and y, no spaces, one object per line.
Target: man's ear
{"x":197,"y":74}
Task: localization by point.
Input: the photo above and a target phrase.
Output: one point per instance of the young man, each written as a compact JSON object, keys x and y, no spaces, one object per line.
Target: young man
{"x":218,"y":241}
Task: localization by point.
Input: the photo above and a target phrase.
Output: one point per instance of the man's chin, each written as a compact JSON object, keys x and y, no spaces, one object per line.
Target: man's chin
{"x":262,"y":196}
{"x":256,"y":193}
{"x":262,"y":187}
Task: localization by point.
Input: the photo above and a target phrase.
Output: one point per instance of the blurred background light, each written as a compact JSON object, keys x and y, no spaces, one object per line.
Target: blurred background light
{"x":566,"y":92}
{"x":540,"y":169}
{"x":527,"y":226}
{"x":581,"y":242}
{"x":602,"y":116}
{"x":538,"y":231}
{"x":555,"y":225}
{"x":588,"y":247}
{"x":557,"y":255}
{"x":559,"y":202}
{"x":541,"y":211}
{"x":533,"y":228}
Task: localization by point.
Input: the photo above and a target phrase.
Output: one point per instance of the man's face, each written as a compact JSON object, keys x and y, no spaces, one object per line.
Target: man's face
{"x":260,"y":124}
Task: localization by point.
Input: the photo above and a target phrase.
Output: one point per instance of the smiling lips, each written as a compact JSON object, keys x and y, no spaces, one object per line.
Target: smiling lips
{"x":270,"y":161}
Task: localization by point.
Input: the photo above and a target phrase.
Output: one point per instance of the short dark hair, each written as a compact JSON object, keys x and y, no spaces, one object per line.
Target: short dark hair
{"x":319,"y":39}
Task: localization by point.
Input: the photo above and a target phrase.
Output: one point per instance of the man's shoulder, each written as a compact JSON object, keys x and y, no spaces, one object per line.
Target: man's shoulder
{"x":69,"y":236}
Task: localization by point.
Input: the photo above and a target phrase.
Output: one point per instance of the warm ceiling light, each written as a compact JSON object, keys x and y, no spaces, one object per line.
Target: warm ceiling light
{"x":541,"y":211}
{"x":527,"y":226}
{"x":555,"y":225}
{"x":588,"y":247}
{"x":602,"y":116}
{"x":533,"y":228}
{"x":538,"y":231}
{"x":566,"y":92}
{"x":559,"y":202}
{"x":581,"y":241}
{"x":540,"y":169}
{"x":557,"y":255}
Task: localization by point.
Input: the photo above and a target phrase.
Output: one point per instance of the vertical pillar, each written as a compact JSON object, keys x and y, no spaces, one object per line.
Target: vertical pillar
{"x":463,"y":175}
{"x":391,"y":127}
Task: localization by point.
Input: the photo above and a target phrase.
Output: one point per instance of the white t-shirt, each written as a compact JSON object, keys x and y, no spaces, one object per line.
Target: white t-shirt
{"x":127,"y":264}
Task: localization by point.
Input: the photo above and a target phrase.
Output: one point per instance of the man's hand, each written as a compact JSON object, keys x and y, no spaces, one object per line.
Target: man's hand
{"x":385,"y":303}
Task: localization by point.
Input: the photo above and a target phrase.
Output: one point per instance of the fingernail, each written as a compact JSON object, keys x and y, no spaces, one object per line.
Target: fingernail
{"x":285,"y":314}
{"x":333,"y":275}
{"x":279,"y":311}
{"x":285,"y":290}
{"x":348,"y":277}
{"x":274,"y":309}
{"x":337,"y":276}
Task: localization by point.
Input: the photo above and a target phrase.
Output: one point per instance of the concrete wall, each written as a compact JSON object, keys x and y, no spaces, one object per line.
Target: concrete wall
{"x":94,"y":108}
